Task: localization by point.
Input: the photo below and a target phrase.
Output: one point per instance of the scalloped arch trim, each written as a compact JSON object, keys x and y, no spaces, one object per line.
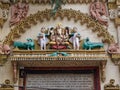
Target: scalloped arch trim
{"x":32,"y":19}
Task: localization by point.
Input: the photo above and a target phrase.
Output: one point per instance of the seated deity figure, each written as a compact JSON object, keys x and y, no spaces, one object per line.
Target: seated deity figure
{"x":18,"y":12}
{"x":75,"y":39}
{"x":98,"y":11}
{"x":42,"y":39}
{"x":59,"y":28}
{"x":59,"y":38}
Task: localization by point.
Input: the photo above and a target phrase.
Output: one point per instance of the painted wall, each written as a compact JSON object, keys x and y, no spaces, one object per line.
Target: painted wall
{"x":112,"y":71}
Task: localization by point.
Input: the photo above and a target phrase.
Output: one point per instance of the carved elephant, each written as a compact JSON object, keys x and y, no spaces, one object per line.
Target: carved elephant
{"x":29,"y":45}
{"x":91,"y":45}
{"x":4,"y":49}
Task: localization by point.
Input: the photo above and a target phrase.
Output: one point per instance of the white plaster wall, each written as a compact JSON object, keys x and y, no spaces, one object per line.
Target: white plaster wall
{"x":6,"y":72}
{"x":112,"y":71}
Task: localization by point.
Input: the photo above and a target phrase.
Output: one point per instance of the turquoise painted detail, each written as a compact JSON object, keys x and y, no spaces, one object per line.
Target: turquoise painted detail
{"x":91,"y":45}
{"x":29,"y":45}
{"x":59,"y":54}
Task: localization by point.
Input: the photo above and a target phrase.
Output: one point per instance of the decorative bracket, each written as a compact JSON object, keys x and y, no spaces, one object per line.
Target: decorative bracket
{"x":102,"y":67}
{"x":116,"y":58}
{"x":3,"y":59}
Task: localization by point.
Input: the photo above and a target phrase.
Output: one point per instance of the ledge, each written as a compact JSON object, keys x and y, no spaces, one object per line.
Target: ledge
{"x":37,"y":58}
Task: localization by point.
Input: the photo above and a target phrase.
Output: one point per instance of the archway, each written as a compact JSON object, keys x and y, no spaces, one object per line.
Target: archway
{"x":69,"y":13}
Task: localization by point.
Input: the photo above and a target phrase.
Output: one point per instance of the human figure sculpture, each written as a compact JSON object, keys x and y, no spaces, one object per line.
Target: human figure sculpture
{"x":66,"y":34}
{"x":42,"y":39}
{"x":75,"y":39}
{"x":18,"y":12}
{"x":98,"y":11}
{"x":114,"y":48}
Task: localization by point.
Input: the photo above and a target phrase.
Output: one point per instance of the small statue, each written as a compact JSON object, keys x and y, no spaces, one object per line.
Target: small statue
{"x":42,"y":41}
{"x":29,"y":45}
{"x":98,"y":11}
{"x":59,"y":28}
{"x":114,"y":48}
{"x":58,"y":38}
{"x":91,"y":45}
{"x":75,"y":39}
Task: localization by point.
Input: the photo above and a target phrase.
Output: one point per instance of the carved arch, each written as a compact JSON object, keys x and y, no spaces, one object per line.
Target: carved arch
{"x":69,"y":13}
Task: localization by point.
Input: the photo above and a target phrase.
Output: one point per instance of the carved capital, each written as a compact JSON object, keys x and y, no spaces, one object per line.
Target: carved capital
{"x":3,"y":59}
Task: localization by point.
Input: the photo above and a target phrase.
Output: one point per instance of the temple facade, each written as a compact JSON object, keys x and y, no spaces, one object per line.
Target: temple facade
{"x":59,"y":45}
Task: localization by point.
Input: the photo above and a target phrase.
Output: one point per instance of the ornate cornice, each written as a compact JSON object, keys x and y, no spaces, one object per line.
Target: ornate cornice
{"x":49,"y":1}
{"x":69,"y":13}
{"x":42,"y":58}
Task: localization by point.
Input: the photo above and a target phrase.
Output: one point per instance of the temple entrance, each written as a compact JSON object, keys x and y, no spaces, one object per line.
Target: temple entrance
{"x":77,"y":78}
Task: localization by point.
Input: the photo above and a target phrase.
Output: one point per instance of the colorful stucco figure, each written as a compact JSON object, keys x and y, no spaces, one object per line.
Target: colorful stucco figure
{"x":18,"y":12}
{"x":29,"y":45}
{"x":114,"y":48}
{"x":91,"y":45}
{"x":42,"y":41}
{"x":5,"y":49}
{"x":75,"y":39}
{"x":99,"y":12}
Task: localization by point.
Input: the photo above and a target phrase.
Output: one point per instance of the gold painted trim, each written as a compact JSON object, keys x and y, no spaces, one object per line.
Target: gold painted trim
{"x":48,"y":1}
{"x":69,"y":13}
{"x":3,"y":59}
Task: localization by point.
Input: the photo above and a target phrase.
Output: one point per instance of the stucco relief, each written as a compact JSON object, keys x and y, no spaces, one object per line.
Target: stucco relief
{"x":99,"y":12}
{"x":18,"y":12}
